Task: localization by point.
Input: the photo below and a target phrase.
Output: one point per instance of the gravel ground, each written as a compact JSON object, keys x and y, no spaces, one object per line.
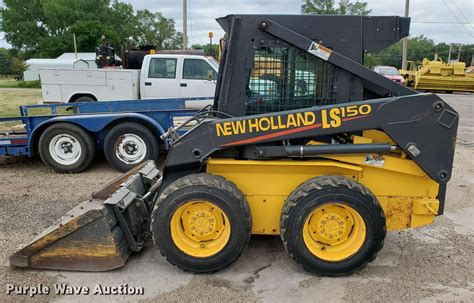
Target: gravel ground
{"x":426,"y":264}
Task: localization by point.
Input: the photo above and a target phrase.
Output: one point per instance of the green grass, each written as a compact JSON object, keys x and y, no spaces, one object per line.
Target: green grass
{"x":12,"y":98}
{"x":8,"y":78}
{"x":29,"y":84}
{"x":8,"y":82}
{"x":12,"y":83}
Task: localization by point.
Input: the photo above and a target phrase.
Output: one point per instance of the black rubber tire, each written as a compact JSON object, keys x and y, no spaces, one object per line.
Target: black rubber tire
{"x":148,"y":137}
{"x":323,"y":190}
{"x":85,"y":140}
{"x":217,"y":190}
{"x":83,"y":99}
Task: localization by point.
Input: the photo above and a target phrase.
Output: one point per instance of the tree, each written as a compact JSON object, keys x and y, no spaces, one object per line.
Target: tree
{"x":419,"y":47}
{"x":124,"y":20}
{"x":207,"y":49}
{"x":155,"y":29}
{"x":344,"y":7}
{"x":23,"y":23}
{"x":18,"y":66}
{"x":44,"y":28}
{"x":4,"y":62}
{"x":89,"y":33}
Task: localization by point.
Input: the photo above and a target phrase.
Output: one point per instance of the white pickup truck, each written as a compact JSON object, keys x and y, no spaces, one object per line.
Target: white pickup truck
{"x":162,"y":76}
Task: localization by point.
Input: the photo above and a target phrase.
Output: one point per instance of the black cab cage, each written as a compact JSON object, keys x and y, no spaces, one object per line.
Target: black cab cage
{"x":274,"y":63}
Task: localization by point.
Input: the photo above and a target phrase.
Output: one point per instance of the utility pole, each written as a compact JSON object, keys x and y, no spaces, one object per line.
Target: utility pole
{"x":185,"y":24}
{"x":450,"y":50}
{"x":211,"y":34}
{"x":405,"y":40}
{"x":75,"y":44}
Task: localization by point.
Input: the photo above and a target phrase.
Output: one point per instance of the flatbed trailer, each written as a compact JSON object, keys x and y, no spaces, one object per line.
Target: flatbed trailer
{"x":66,"y":136}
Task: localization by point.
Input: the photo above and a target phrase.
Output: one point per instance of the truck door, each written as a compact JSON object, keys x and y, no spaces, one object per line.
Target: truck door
{"x":160,"y":80}
{"x":198,"y":79}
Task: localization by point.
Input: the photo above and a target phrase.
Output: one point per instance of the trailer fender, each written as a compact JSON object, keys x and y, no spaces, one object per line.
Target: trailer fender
{"x":95,"y":124}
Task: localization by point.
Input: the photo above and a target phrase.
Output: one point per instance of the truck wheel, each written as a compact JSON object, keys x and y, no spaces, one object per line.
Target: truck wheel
{"x":66,"y":148}
{"x":86,"y":98}
{"x":128,"y":144}
{"x":201,"y":223}
{"x":332,"y":225}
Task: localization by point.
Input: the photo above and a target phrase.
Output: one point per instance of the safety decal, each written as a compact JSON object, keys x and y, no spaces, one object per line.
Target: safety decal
{"x":319,"y":51}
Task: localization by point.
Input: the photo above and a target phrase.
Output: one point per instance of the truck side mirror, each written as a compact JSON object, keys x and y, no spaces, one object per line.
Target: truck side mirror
{"x":210,"y":75}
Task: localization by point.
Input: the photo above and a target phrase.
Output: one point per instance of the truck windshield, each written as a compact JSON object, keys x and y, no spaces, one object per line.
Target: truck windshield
{"x":213,"y":62}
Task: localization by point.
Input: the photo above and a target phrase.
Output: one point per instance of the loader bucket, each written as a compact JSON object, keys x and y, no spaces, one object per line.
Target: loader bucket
{"x":98,"y":234}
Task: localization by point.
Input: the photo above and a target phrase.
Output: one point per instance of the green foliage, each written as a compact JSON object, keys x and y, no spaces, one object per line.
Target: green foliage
{"x":17,"y":66}
{"x":207,"y":48}
{"x":4,"y":62}
{"x":344,"y":7}
{"x":11,"y":83}
{"x":29,"y":84}
{"x":419,"y":47}
{"x":44,"y":28}
{"x":155,"y":29}
{"x":89,"y":33}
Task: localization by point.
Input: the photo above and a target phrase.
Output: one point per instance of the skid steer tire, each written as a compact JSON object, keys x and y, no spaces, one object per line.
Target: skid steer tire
{"x":142,"y":141}
{"x":332,"y":226}
{"x":66,"y":148}
{"x":195,"y":198}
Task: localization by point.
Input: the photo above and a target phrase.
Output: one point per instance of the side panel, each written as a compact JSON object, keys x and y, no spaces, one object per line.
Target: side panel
{"x":267,"y":184}
{"x":406,"y":195}
{"x":120,"y":86}
{"x":73,"y":76}
{"x":51,"y":92}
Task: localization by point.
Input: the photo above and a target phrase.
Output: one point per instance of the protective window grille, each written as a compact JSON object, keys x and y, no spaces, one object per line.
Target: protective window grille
{"x":286,"y":78}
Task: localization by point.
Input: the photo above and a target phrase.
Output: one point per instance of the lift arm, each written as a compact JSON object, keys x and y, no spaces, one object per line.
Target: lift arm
{"x":422,"y":125}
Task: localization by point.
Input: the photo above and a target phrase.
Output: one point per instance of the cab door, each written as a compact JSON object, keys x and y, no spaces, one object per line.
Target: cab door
{"x":198,"y":79}
{"x":160,"y":79}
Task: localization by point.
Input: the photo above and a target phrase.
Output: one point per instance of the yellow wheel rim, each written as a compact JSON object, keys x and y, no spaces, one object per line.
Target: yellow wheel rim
{"x":200,"y":229}
{"x":334,"y":232}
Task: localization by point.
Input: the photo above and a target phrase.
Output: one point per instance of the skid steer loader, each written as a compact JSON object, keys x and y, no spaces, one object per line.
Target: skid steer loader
{"x":325,"y":153}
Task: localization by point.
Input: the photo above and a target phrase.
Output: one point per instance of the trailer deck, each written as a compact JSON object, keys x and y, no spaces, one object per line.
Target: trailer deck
{"x":94,"y":117}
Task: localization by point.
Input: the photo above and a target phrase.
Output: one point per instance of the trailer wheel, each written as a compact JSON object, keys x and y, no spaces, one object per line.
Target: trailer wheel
{"x":66,"y":148}
{"x":332,"y":226}
{"x":128,"y":144}
{"x":201,"y":223}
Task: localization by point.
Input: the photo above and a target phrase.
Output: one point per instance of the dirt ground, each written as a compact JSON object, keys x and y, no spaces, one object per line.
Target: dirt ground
{"x":433,"y":263}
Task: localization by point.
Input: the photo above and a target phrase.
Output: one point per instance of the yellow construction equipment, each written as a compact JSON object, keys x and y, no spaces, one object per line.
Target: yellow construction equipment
{"x":334,"y":157}
{"x":436,"y":75}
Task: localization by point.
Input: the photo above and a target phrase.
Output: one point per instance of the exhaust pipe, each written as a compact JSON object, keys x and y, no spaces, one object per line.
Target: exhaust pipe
{"x":98,"y":234}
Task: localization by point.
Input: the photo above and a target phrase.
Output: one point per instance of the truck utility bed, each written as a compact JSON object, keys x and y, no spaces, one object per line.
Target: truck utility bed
{"x":109,"y":83}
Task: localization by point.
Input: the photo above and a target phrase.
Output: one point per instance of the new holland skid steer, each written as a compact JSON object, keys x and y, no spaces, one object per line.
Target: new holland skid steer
{"x":319,"y":150}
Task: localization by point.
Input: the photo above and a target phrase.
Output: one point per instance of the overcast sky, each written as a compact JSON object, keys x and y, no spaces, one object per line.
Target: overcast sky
{"x":426,"y":15}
